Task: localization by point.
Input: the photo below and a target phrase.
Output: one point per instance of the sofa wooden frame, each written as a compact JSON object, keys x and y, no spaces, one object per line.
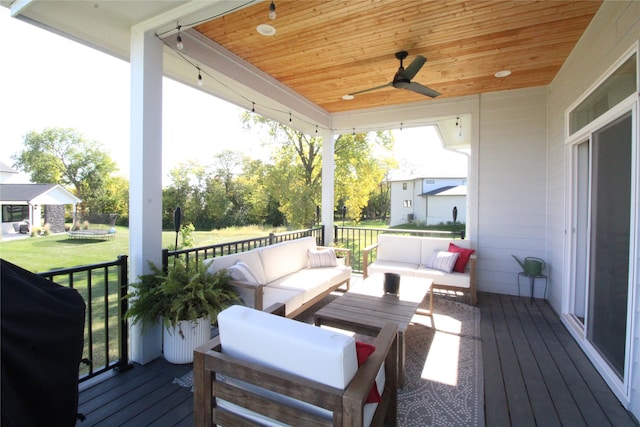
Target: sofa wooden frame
{"x":347,"y":405}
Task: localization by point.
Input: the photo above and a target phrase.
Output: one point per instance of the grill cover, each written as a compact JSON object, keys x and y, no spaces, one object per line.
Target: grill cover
{"x":42,"y":339}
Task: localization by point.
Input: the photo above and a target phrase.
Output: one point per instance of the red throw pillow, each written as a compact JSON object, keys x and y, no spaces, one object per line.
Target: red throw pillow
{"x":463,"y":258}
{"x":363,"y":351}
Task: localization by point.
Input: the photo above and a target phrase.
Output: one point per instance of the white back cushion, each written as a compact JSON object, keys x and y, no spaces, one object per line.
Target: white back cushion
{"x":314,"y":353}
{"x":399,"y":248}
{"x":250,"y":258}
{"x":285,"y":258}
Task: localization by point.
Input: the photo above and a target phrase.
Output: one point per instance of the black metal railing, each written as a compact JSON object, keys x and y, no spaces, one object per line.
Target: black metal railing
{"x":103,"y":287}
{"x":358,"y":238}
{"x":220,"y":249}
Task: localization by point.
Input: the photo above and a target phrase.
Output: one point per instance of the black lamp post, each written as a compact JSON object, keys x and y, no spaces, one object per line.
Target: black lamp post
{"x":177,"y":220}
{"x":455,"y":216}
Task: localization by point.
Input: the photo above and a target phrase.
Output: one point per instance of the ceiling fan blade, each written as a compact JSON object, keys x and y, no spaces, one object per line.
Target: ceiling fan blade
{"x":413,"y":68}
{"x":370,"y":89}
{"x":418,"y":88}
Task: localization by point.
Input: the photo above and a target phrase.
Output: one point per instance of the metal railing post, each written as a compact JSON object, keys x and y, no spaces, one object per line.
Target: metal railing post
{"x":123,"y":285}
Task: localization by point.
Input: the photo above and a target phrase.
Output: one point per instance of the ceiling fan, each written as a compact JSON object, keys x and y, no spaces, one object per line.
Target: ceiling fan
{"x":402,"y":79}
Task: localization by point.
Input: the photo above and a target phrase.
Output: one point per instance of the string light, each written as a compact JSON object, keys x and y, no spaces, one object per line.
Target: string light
{"x":253,"y":104}
{"x":459,"y":125}
{"x":272,"y":10}
{"x":179,"y":44}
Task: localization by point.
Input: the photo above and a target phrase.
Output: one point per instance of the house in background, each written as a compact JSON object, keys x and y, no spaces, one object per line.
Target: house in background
{"x":427,"y":200}
{"x":24,"y":205}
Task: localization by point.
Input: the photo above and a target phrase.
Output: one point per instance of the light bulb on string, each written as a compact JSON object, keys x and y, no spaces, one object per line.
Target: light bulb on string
{"x":179,"y":44}
{"x":272,"y":10}
{"x":200,"y":82}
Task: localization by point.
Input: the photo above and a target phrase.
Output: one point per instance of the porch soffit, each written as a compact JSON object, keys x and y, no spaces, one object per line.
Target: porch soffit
{"x":325,"y":49}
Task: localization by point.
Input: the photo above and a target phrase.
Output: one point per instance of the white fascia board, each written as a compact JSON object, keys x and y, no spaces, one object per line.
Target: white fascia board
{"x":18,"y":6}
{"x":190,"y":14}
{"x":237,"y":81}
{"x":415,"y":114}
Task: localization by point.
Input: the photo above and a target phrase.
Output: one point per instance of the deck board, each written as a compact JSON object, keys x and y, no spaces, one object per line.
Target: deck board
{"x":535,"y":374}
{"x":542,"y":406}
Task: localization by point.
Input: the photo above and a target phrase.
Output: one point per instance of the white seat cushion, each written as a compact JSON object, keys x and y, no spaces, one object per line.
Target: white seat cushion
{"x":384,"y":266}
{"x":459,"y":280}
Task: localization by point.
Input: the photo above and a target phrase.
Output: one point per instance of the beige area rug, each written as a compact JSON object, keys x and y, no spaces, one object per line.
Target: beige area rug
{"x":444,"y":382}
{"x":443,"y":368}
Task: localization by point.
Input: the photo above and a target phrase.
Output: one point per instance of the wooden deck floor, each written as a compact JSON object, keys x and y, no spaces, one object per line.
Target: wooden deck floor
{"x":534,"y":375}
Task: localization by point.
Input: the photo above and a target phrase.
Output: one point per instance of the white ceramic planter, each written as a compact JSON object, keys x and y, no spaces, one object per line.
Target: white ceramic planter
{"x":180,"y":341}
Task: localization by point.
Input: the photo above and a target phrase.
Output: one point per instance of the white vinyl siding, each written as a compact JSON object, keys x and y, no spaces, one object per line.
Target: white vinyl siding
{"x":512,"y":185}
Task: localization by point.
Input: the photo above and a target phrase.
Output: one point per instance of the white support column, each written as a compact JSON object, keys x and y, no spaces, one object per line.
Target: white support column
{"x":328,"y":171}
{"x":145,"y":187}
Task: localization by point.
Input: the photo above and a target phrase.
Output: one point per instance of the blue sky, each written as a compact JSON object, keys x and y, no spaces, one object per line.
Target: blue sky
{"x":49,"y":81}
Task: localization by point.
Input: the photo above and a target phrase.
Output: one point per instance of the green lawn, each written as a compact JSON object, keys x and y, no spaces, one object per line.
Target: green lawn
{"x":45,"y":253}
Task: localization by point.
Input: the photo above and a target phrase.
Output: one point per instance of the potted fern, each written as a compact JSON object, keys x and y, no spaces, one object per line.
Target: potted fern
{"x":188,"y":298}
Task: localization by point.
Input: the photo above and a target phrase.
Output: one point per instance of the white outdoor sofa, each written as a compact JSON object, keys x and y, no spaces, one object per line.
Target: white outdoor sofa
{"x":268,"y":370}
{"x":296,"y":273}
{"x":411,"y":256}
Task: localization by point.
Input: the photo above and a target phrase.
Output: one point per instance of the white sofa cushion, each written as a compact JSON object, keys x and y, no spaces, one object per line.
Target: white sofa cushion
{"x":291,"y":299}
{"x":459,"y":280}
{"x":318,"y":354}
{"x":384,"y":266}
{"x":311,"y":281}
{"x":399,"y":248}
{"x":284,"y":258}
{"x":250,"y":258}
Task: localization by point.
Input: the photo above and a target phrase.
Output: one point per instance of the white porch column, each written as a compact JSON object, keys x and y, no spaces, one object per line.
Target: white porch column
{"x":328,"y":169}
{"x":145,"y":187}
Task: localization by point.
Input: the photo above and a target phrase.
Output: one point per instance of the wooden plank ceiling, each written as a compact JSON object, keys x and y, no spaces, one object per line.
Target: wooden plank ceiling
{"x":326,"y":49}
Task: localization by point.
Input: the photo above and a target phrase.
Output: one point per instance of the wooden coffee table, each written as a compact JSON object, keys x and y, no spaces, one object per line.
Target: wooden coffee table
{"x":365,"y":309}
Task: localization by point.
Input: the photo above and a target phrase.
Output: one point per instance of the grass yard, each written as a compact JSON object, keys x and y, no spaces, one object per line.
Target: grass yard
{"x":45,"y":253}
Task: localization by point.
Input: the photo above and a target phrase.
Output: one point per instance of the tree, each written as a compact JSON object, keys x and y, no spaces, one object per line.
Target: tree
{"x":295,"y":178}
{"x":63,"y":156}
{"x":358,"y":171}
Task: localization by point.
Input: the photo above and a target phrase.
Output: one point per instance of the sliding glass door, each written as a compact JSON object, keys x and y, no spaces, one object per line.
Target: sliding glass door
{"x":603,"y":219}
{"x":608,"y":271}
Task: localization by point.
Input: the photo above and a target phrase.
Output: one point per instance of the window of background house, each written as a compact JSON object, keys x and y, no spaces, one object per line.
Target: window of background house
{"x":15,"y":213}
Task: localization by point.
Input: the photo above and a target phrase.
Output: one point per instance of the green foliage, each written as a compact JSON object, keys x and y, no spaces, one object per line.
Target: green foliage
{"x":186,"y":235}
{"x":294,"y":178}
{"x":63,"y":156}
{"x":187,"y":292}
